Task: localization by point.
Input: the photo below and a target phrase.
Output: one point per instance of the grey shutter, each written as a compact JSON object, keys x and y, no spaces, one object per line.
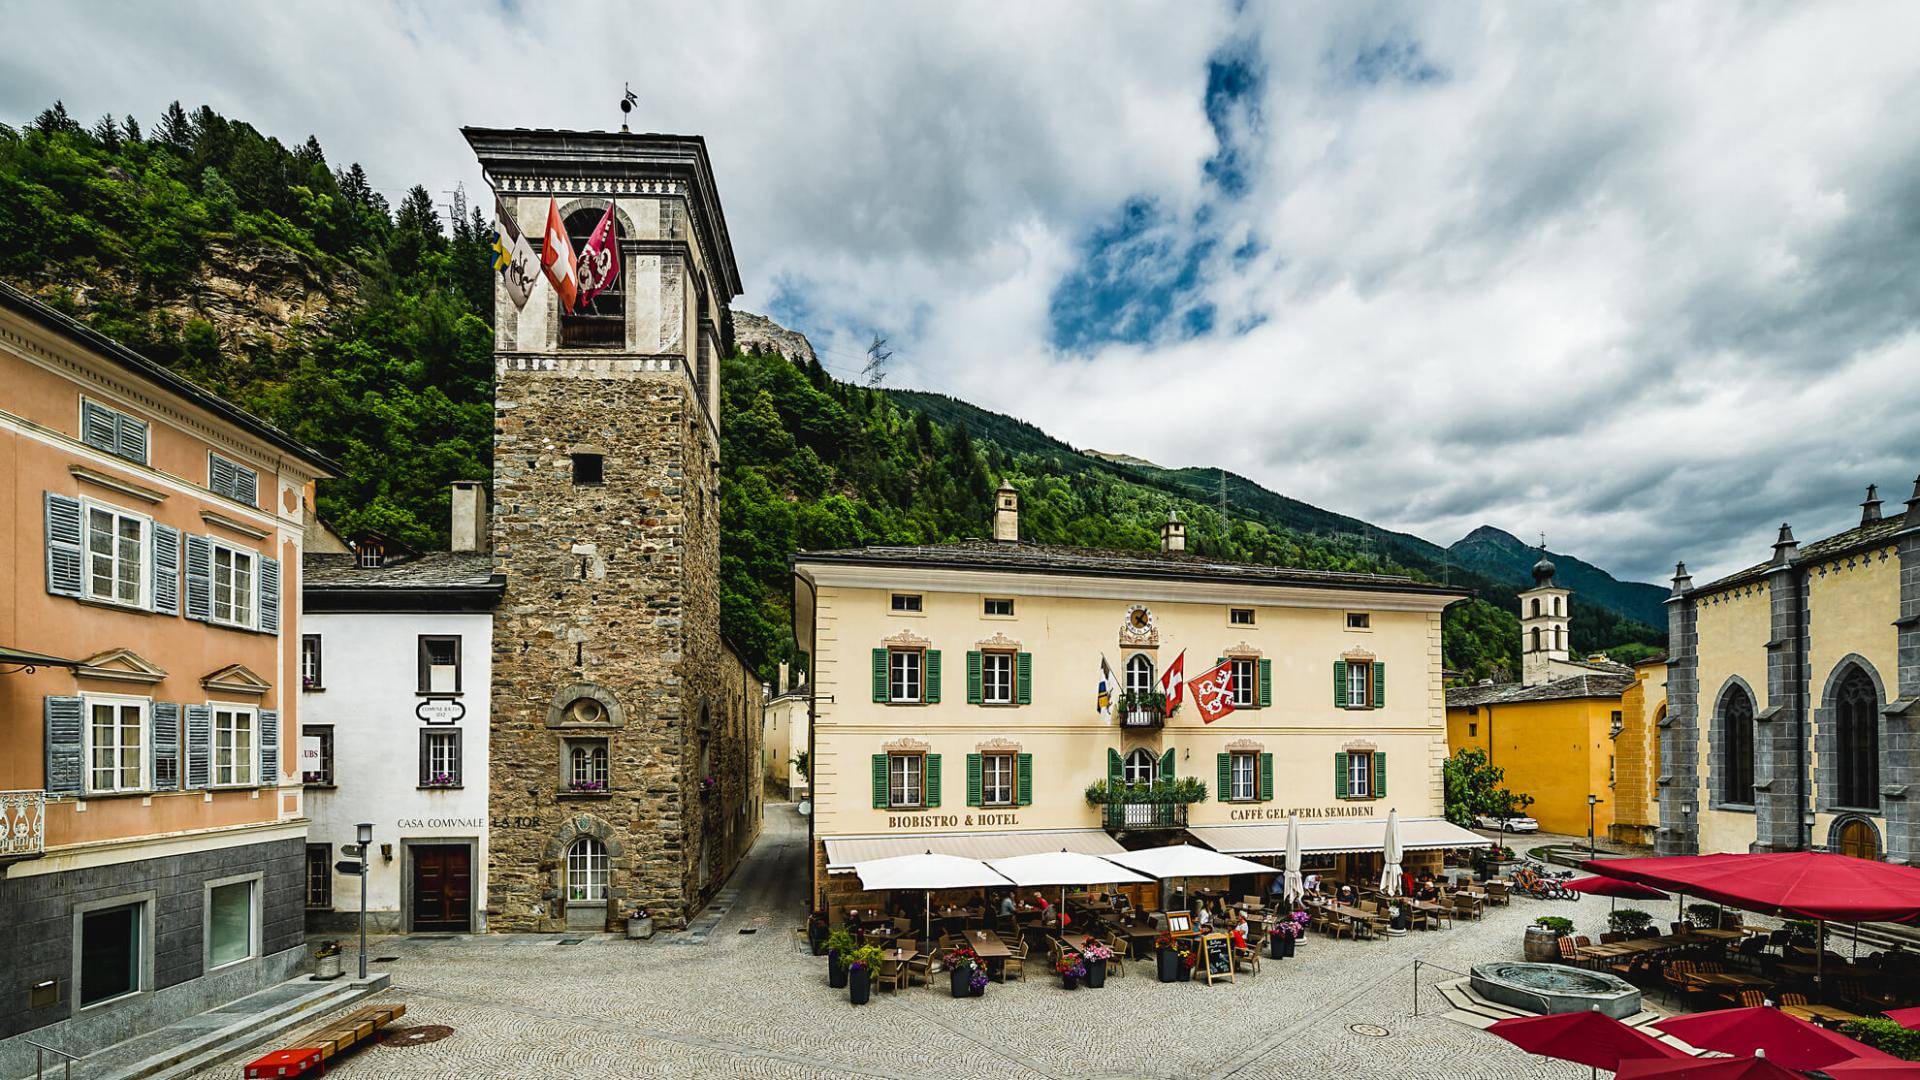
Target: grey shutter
{"x":65,"y":569}
{"x":220,"y":475}
{"x":426,"y":776}
{"x":199,"y":602}
{"x":97,"y":426}
{"x":130,"y":438}
{"x":246,"y":485}
{"x":269,"y":584}
{"x":66,"y":755}
{"x":269,"y":748}
{"x":165,"y":721}
{"x":199,"y":746}
{"x":166,"y":569}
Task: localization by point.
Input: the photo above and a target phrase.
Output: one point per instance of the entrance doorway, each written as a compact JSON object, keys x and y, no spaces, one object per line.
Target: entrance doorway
{"x":442,"y":887}
{"x":1858,"y":840}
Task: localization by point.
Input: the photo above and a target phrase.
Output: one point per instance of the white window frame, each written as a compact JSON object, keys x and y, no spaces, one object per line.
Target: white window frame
{"x":143,"y":561}
{"x":310,"y":662}
{"x":587,"y":871}
{"x":1244,"y":787}
{"x":1131,"y":771}
{"x":253,"y":883}
{"x":1360,"y":774}
{"x":587,"y":762}
{"x":117,"y":702}
{"x":906,"y":676}
{"x":443,"y":757}
{"x":1246,"y":681}
{"x":251,"y":594}
{"x":986,"y":607}
{"x":999,"y":779}
{"x":1365,"y":623}
{"x":244,"y":768}
{"x":1137,"y":674}
{"x":998,"y":672}
{"x":906,"y":604}
{"x":1359,"y":684}
{"x":1234,"y":616}
{"x":906,"y":781}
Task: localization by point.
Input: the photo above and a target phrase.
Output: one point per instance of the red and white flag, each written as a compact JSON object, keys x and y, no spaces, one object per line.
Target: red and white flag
{"x":557,"y":258}
{"x":1213,"y":692}
{"x":600,"y":262}
{"x":1173,"y":682}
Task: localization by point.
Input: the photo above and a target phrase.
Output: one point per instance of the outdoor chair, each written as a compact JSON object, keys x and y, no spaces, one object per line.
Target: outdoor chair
{"x":1612,"y":938}
{"x":1570,"y":952}
{"x":1247,"y":959}
{"x":1497,"y":894}
{"x":1121,"y":947}
{"x":1792,"y":999}
{"x":1675,"y":974}
{"x":890,"y":975}
{"x":1747,"y":999}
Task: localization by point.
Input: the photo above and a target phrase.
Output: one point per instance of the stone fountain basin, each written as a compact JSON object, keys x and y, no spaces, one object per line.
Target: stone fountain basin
{"x":1555,"y":988}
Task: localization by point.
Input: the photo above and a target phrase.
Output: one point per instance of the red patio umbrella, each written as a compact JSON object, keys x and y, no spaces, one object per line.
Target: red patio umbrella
{"x":1787,"y":1040}
{"x":1873,"y":1069}
{"x":1606,"y":886}
{"x":1727,"y":1068}
{"x":1589,"y":1038}
{"x":1906,"y":1018}
{"x":1806,"y":884}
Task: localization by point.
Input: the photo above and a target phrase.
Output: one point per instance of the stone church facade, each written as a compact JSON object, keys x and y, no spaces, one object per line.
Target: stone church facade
{"x":625,"y":757}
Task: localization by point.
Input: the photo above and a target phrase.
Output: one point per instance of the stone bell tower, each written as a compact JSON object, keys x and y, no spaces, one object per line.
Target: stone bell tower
{"x":1544,"y":617}
{"x":607,"y":655}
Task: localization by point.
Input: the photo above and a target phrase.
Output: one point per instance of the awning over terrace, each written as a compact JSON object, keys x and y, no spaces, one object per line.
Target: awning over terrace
{"x":1336,"y":837}
{"x":845,"y":851}
{"x":1802,"y":884}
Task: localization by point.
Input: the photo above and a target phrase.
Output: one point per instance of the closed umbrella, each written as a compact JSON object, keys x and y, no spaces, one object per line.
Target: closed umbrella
{"x":927,"y":872}
{"x":1784,"y":1038}
{"x":1295,"y":884}
{"x":1063,"y":868}
{"x":1726,"y":1068}
{"x":1589,"y":1038}
{"x":1390,"y":874}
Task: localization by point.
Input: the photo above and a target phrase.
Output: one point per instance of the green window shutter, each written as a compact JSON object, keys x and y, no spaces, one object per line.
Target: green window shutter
{"x":1339,"y":684}
{"x":1166,"y":765}
{"x":1379,"y":683}
{"x":1025,"y":776}
{"x":1218,"y":660}
{"x":879,"y":675}
{"x":933,"y":676}
{"x":1225,"y":787}
{"x":933,"y":780}
{"x":879,"y":781}
{"x":1380,"y":774}
{"x":1113,"y":766}
{"x":973,"y":780}
{"x":973,"y":677}
{"x":1340,"y":776}
{"x":1266,"y":683}
{"x":1266,"y":777}
{"x":1023,"y":679}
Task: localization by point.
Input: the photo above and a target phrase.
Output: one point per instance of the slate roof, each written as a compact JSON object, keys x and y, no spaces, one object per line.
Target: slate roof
{"x":434,"y":570}
{"x":1857,"y":538}
{"x":1064,"y":559}
{"x":1603,"y":666}
{"x":1575,"y":686}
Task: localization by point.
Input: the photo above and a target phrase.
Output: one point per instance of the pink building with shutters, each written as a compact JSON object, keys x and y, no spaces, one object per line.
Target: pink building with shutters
{"x":151,"y":826}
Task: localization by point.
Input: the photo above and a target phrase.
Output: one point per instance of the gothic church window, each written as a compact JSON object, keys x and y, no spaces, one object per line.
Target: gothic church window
{"x":1856,"y":710}
{"x":1736,"y":747}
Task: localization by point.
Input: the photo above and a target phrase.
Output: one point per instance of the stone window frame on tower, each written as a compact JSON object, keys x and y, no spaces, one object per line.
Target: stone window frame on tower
{"x":606,"y":325}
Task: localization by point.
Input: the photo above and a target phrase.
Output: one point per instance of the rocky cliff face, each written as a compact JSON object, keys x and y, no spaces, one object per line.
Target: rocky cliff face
{"x":757,"y":333}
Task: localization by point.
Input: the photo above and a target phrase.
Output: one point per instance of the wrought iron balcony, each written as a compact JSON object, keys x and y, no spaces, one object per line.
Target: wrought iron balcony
{"x":1141,"y":718}
{"x":23,"y":824}
{"x":1129,"y":816}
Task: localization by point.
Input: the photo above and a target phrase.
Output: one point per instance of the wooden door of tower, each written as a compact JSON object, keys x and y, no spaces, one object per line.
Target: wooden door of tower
{"x":1857,"y":840}
{"x":442,"y":887}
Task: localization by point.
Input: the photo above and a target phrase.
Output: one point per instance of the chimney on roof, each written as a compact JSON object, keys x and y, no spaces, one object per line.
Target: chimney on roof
{"x":780,"y":687}
{"x":1785,"y":549}
{"x":1173,"y":534}
{"x":1870,"y":510}
{"x":1913,"y":506}
{"x":470,"y":527}
{"x":1006,"y":514}
{"x":1682,"y":581}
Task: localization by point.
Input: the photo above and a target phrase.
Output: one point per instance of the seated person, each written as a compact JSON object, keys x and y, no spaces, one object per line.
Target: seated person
{"x":1007,"y":905}
{"x":1240,"y":934}
{"x":1346,"y":894}
{"x":1205,"y":918}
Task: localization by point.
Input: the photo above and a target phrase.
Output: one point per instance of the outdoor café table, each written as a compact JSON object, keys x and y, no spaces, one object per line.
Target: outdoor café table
{"x":987,"y":945}
{"x":1820,"y":1014}
{"x":1718,"y":935}
{"x":1434,"y":908}
{"x":1728,"y":980}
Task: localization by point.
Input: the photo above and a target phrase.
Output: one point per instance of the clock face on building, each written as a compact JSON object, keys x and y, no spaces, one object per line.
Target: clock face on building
{"x":1138,"y":629}
{"x":1139,"y":618}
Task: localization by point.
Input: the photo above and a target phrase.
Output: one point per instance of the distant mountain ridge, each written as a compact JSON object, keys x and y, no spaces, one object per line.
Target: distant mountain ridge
{"x":1504,"y":557}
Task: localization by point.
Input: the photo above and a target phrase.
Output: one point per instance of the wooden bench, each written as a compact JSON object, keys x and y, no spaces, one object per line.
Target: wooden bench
{"x":351,"y":1031}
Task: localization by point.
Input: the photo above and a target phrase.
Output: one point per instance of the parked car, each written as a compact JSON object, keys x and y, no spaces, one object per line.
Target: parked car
{"x":1512,"y":824}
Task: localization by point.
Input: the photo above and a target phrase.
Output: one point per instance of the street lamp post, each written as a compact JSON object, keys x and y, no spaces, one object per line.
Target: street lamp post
{"x":364,"y":834}
{"x":1593,"y":801}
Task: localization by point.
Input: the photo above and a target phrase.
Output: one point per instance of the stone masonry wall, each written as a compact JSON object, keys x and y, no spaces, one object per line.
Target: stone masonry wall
{"x":1679,"y":777}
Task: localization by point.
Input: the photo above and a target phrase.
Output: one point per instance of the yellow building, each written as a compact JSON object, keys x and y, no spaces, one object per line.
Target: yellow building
{"x":955,"y":704}
{"x":1794,"y":688}
{"x":1565,"y":731}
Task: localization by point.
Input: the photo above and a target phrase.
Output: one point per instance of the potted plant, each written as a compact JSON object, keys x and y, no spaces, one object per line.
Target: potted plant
{"x":817,"y":931}
{"x":960,"y":961}
{"x":1286,"y":932}
{"x":327,"y":960}
{"x":1543,"y":938}
{"x":639,"y":924}
{"x":977,"y":984}
{"x":1070,"y":970}
{"x":1629,"y":921}
{"x":1189,"y":957}
{"x":860,"y":965}
{"x":586,"y":785}
{"x":1095,"y":957}
{"x":1166,"y":958}
{"x":1706,"y":916}
{"x":840,"y":944}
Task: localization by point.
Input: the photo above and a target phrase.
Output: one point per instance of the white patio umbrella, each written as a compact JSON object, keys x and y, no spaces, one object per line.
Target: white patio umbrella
{"x":1390,"y":875}
{"x":1295,"y":885}
{"x":1184,"y":861}
{"x":1063,"y":868}
{"x":928,"y":872}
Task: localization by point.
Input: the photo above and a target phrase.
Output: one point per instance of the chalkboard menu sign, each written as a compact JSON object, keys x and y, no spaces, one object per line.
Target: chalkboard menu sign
{"x":1217,"y":957}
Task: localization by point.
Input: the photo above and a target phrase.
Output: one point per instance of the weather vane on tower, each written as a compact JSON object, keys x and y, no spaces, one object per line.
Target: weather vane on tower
{"x":627,"y":101}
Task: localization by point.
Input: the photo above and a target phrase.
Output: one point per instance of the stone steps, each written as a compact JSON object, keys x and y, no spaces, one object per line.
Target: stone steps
{"x":1469,"y":1008}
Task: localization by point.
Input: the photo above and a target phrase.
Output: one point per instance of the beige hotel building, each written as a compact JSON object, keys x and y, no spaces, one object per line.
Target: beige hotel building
{"x":954,"y":704}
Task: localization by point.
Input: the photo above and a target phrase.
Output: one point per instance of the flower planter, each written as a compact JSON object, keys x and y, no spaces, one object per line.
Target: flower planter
{"x":640,"y":928}
{"x":1279,"y":946}
{"x":836,"y":974}
{"x":1096,"y":974}
{"x":1542,"y":945}
{"x":1186,"y":972}
{"x":978,"y":990}
{"x":859,"y":985}
{"x":1168,"y":963}
{"x":961,"y":979}
{"x":1072,"y":982}
{"x":817,"y":940}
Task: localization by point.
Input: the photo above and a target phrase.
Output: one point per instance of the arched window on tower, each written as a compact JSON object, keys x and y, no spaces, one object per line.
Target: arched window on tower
{"x":603,"y":320}
{"x":1536,"y":640}
{"x":586,"y":871}
{"x":1736,"y":746}
{"x":1556,"y":606}
{"x":1536,"y":607}
{"x":1856,"y":711}
{"x":1560,"y":638}
{"x":1139,"y":674}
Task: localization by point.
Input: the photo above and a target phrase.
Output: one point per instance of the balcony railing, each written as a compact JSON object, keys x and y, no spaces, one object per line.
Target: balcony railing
{"x":1141,"y":718}
{"x":1145,"y":815}
{"x":23,"y":824}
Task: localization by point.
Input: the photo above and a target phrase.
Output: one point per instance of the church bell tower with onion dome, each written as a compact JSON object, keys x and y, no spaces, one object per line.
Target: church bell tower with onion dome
{"x":1544,"y":616}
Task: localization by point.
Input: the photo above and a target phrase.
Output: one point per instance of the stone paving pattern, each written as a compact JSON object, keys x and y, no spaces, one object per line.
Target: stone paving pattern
{"x":722,"y":1003}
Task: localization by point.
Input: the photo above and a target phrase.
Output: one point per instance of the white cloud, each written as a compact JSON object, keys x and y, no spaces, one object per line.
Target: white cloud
{"x":1644,"y":278}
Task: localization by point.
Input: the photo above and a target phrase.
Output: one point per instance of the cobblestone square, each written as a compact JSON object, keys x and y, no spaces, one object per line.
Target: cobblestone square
{"x":718,"y":1002}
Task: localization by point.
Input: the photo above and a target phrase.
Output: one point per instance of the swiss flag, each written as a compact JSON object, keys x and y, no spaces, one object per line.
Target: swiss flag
{"x":1213,"y":692}
{"x":557,"y":259}
{"x":1173,"y":681}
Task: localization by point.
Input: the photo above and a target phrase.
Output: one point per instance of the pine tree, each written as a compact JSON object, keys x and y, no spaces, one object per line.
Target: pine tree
{"x":107,"y":133}
{"x":131,"y":128}
{"x":175,"y":130}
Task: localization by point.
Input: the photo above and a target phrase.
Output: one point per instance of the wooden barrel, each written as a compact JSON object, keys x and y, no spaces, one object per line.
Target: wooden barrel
{"x":1543,"y":945}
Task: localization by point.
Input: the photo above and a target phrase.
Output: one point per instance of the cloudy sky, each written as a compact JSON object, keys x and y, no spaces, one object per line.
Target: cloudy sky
{"x":1644,"y":277}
